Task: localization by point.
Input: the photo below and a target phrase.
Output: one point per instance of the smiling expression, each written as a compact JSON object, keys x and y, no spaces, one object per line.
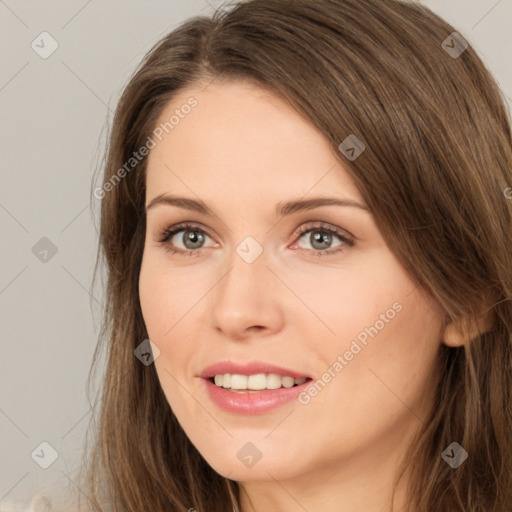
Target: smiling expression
{"x":255,"y":265}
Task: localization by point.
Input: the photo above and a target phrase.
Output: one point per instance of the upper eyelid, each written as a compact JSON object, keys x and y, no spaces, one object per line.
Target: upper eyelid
{"x":324,"y":225}
{"x":183,"y":226}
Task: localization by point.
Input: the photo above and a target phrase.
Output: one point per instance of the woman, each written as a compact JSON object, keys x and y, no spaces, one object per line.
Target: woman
{"x":308,"y":239}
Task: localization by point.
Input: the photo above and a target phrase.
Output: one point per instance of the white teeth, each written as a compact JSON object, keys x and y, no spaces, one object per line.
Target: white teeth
{"x":238,"y":381}
{"x":256,"y":382}
{"x":273,"y":381}
{"x":288,"y":382}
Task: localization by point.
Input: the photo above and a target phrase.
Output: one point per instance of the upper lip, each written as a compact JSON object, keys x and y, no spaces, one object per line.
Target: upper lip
{"x":250,"y":368}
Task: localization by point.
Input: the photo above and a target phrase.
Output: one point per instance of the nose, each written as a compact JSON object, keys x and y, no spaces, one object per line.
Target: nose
{"x":248,"y":299}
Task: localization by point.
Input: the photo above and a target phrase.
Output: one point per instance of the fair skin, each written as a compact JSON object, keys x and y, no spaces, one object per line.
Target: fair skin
{"x":242,"y":151}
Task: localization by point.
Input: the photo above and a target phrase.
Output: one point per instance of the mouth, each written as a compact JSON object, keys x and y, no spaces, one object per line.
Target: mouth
{"x":234,"y":394}
{"x":255,"y":383}
{"x":253,"y":387}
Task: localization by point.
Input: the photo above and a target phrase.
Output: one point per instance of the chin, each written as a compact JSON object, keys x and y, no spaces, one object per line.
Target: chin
{"x":248,"y":465}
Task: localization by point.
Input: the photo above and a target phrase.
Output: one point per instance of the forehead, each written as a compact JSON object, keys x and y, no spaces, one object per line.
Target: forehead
{"x":239,"y":139}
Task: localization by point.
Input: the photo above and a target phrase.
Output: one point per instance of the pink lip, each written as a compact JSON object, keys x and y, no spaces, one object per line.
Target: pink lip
{"x":252,"y":403}
{"x":251,"y":368}
{"x":255,"y":402}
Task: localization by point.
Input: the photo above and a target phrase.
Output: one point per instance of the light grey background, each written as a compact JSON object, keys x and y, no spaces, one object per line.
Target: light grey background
{"x":54,"y":117}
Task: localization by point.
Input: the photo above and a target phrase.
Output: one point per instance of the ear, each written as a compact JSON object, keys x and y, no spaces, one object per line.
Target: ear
{"x":461,"y":331}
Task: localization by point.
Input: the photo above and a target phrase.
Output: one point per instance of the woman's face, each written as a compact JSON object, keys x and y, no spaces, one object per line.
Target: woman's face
{"x":266,"y":284}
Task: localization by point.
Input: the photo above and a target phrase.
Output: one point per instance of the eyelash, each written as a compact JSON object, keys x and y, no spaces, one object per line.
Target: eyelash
{"x":168,"y":233}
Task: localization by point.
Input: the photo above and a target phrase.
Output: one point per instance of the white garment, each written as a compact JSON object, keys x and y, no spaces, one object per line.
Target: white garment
{"x":38,"y":503}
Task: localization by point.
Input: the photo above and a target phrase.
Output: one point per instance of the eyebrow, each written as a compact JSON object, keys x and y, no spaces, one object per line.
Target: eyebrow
{"x":282,"y":208}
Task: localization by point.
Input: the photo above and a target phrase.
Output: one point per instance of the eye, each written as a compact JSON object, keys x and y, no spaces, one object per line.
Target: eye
{"x":193,"y":238}
{"x":321,"y":235}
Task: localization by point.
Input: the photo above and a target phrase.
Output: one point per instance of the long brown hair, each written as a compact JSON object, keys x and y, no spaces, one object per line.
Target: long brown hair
{"x":435,"y":173}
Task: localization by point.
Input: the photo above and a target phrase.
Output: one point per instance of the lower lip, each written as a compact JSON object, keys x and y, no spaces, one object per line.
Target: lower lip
{"x":252,"y":403}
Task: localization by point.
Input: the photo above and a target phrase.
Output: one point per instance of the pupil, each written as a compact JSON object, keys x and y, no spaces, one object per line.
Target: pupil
{"x":194,"y":237}
{"x":318,"y":237}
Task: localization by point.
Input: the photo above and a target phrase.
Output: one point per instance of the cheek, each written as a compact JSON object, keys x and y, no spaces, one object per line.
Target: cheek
{"x":384,"y":339}
{"x":170,"y":303}
{"x":376,"y":299}
{"x":164,"y":312}
{"x":165,"y":297}
{"x":359,"y":300}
